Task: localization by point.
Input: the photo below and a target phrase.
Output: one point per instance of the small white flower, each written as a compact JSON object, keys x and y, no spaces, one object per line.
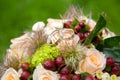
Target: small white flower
{"x":118,"y":78}
{"x":99,"y":74}
{"x":42,"y":74}
{"x":38,"y":26}
{"x":10,"y":74}
{"x":113,"y":77}
{"x":105,"y":76}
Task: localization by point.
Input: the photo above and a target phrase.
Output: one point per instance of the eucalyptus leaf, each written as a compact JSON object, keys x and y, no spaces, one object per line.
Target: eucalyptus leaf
{"x":112,"y":52}
{"x":112,"y":42}
{"x":101,"y":23}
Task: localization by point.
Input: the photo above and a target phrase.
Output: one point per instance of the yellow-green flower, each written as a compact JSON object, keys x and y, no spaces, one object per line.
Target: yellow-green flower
{"x":113,"y":77}
{"x":99,"y":74}
{"x":43,"y":53}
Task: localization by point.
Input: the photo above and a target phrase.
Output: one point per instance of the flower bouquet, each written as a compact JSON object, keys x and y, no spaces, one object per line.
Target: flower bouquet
{"x":72,"y":48}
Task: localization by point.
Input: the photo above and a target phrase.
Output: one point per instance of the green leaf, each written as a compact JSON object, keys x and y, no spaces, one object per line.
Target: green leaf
{"x":74,"y":23}
{"x":83,"y":75}
{"x":86,"y":28}
{"x":100,"y":24}
{"x":112,"y":52}
{"x":112,"y":42}
{"x":108,"y":68}
{"x":111,"y":47}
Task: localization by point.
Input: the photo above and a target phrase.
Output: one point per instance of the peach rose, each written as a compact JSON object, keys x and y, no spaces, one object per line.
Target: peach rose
{"x":94,"y":61}
{"x":42,"y":74}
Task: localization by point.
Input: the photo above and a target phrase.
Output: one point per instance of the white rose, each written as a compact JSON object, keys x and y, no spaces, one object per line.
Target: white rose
{"x":93,"y":62}
{"x":53,"y":24}
{"x":62,"y":34}
{"x":42,"y":74}
{"x":57,"y":23}
{"x":38,"y":26}
{"x":10,"y":74}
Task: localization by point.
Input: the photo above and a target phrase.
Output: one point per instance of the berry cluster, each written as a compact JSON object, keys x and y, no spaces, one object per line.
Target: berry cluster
{"x":80,"y":28}
{"x":112,"y":67}
{"x":66,"y":72}
{"x":25,"y":74}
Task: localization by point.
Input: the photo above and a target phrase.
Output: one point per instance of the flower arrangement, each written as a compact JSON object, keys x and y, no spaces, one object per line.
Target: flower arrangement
{"x":72,"y":48}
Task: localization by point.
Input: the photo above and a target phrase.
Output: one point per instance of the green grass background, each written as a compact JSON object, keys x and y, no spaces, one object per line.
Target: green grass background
{"x":17,"y":16}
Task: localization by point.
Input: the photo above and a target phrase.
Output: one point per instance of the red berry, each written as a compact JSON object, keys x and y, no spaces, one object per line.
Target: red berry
{"x":49,"y":64}
{"x":64,"y":77}
{"x":76,"y":77}
{"x":89,"y":78}
{"x":97,"y":39}
{"x":60,"y":61}
{"x":81,"y":36}
{"x":82,"y":24}
{"x":67,"y":24}
{"x":101,"y":33}
{"x":25,"y":75}
{"x":85,"y":35}
{"x":96,"y":79}
{"x":77,"y":28}
{"x":115,"y":70}
{"x":25,"y":66}
{"x":110,"y":61}
{"x":65,"y":70}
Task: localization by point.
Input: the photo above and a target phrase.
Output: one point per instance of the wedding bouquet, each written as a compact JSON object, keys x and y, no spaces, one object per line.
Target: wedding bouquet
{"x":72,"y":48}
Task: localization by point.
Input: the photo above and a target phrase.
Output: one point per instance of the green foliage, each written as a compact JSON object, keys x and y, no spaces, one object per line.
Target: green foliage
{"x":112,"y":52}
{"x":74,"y":23}
{"x":83,"y":75}
{"x":111,"y":47}
{"x":100,"y":24}
{"x":112,"y":42}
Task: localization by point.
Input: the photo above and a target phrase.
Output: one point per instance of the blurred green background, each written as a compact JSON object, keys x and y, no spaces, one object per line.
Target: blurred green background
{"x":17,"y":16}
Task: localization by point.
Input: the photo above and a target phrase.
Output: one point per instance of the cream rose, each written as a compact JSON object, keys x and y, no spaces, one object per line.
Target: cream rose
{"x":42,"y":74}
{"x":94,"y":61}
{"x":22,"y":47}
